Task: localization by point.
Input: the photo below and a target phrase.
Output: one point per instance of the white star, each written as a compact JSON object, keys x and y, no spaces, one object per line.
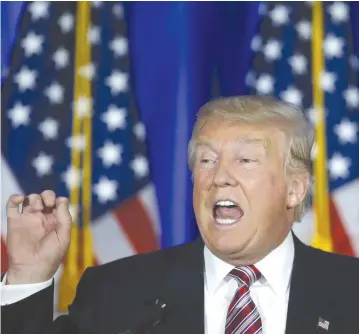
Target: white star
{"x":32,"y":44}
{"x":117,"y":10}
{"x":115,"y":118}
{"x":93,"y":35}
{"x":333,"y":46}
{"x":256,"y":43}
{"x":55,"y":93}
{"x":327,"y":81}
{"x":66,"y":22}
{"x":299,"y":64}
{"x":292,"y":95}
{"x":140,"y":131}
{"x":49,"y":128}
{"x":25,"y":79}
{"x":338,"y":166}
{"x":351,"y":96}
{"x":19,"y":115}
{"x":71,"y":177}
{"x":304,"y":29}
{"x":339,"y":12}
{"x":265,"y":84}
{"x":96,"y":4}
{"x":87,"y":71}
{"x":61,"y":58}
{"x":316,"y":115}
{"x":279,"y":15}
{"x":39,"y":9}
{"x":105,"y":189}
{"x":77,"y":142}
{"x":119,"y":46}
{"x":272,"y":50}
{"x":140,"y":166}
{"x":117,"y":82}
{"x":346,"y":131}
{"x":110,"y":153}
{"x":43,"y":164}
{"x":83,"y":106}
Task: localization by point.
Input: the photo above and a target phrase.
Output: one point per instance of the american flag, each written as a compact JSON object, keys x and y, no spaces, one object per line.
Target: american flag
{"x":290,"y":38}
{"x":71,"y":65}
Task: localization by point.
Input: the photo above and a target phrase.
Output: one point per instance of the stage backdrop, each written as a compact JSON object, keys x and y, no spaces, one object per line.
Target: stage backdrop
{"x":99,"y":100}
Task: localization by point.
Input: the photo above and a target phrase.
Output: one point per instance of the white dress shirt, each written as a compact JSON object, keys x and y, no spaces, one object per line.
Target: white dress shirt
{"x":15,"y":292}
{"x":270,"y":294}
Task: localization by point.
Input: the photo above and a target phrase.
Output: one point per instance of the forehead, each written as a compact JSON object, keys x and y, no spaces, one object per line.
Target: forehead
{"x":214,"y":131}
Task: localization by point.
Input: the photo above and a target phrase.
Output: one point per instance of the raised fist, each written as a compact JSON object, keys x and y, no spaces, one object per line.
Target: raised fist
{"x":38,"y":237}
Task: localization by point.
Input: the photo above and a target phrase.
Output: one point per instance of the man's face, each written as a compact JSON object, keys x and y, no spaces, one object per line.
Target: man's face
{"x":241,"y":198}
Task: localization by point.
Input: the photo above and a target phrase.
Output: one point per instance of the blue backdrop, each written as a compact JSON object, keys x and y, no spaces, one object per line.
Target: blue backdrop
{"x":182,"y":54}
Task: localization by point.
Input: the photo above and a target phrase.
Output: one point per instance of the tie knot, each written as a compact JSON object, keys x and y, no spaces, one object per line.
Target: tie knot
{"x":246,"y":275}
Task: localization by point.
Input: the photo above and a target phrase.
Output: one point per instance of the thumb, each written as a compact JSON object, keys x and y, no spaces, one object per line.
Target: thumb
{"x":63,"y":217}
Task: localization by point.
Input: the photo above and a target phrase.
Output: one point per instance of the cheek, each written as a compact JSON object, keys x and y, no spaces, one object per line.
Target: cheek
{"x":263,"y":186}
{"x":203,"y":180}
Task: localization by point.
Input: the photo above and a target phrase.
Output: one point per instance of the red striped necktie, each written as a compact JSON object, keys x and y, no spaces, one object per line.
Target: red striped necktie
{"x":243,"y":316}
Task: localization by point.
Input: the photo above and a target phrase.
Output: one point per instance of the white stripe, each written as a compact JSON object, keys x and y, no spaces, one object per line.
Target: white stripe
{"x":9,"y":186}
{"x":148,"y":199}
{"x":237,"y":312}
{"x":347,"y":202}
{"x":243,"y":324}
{"x":251,"y":324}
{"x":259,"y":330}
{"x":110,"y":241}
{"x":237,"y":308}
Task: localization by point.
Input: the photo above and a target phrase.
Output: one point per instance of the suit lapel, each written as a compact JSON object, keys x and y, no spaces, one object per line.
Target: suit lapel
{"x":183,"y":289}
{"x":310,"y":293}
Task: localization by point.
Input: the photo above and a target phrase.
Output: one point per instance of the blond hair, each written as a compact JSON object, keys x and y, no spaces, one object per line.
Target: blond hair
{"x":264,"y":109}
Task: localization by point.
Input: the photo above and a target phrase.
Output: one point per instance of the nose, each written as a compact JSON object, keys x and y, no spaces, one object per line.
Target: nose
{"x":223,"y":176}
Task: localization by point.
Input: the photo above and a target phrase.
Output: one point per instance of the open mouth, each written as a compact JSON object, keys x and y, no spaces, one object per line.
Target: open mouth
{"x":227,"y":212}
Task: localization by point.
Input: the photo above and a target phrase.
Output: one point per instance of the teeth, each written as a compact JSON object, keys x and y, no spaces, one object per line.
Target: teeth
{"x":226,"y":203}
{"x":225,"y":221}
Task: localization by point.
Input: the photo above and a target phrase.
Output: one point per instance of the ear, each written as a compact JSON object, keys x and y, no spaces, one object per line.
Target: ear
{"x":298,"y":186}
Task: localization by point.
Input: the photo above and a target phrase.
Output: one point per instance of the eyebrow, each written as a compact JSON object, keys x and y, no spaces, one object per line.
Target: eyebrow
{"x":202,"y":142}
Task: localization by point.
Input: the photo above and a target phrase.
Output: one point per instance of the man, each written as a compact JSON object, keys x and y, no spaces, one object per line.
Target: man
{"x":248,"y":273}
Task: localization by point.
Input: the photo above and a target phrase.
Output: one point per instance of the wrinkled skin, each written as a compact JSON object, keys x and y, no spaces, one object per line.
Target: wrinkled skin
{"x":246,"y":164}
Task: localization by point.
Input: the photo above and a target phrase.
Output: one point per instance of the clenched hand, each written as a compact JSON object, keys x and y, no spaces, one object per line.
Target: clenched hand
{"x":38,"y":237}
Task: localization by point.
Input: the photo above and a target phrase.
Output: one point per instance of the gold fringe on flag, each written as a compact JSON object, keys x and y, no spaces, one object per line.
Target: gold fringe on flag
{"x":322,"y":238}
{"x":79,"y":258}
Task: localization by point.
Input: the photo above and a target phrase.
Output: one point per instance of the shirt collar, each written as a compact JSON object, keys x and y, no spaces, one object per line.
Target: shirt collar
{"x":276,"y":267}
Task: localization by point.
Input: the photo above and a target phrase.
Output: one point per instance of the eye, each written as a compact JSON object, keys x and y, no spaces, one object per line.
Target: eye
{"x":206,"y":161}
{"x":246,"y":160}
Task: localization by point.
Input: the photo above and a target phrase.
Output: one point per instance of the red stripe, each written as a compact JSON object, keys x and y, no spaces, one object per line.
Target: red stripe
{"x":341,"y":241}
{"x":3,"y":257}
{"x":137,"y":225}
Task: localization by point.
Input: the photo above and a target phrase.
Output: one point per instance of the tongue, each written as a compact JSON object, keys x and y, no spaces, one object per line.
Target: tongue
{"x":223,"y":212}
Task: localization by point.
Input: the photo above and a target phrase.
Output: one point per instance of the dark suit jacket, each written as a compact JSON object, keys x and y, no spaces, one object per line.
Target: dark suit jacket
{"x":115,"y":296}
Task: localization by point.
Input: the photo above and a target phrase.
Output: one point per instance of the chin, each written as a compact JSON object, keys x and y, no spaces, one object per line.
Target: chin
{"x":224,"y":243}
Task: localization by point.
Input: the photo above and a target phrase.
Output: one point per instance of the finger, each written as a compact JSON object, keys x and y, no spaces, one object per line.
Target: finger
{"x":12,"y":206}
{"x":32,"y":203}
{"x":48,"y":197}
{"x":64,"y":220}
